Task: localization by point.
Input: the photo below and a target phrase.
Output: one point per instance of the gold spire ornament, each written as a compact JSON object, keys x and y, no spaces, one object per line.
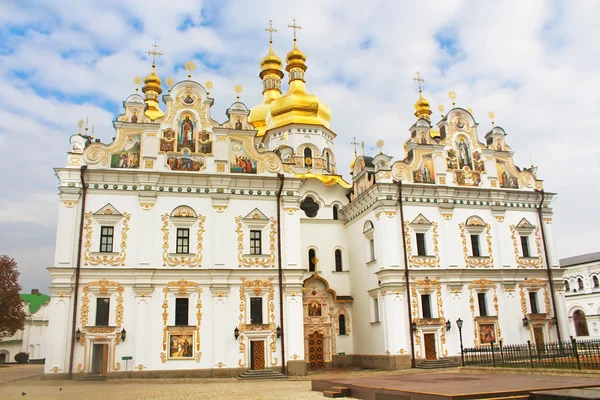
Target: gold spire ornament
{"x":238,"y":89}
{"x":492,"y":116}
{"x":379,"y":145}
{"x":137,"y":81}
{"x":452,"y":96}
{"x":154,"y":53}
{"x":422,"y":108}
{"x":441,"y":110}
{"x":152,"y":87}
{"x":208,"y":85}
{"x":354,"y":143}
{"x":362,"y":145}
{"x":80,"y":125}
{"x":189,"y":67}
{"x":270,"y":29}
{"x":294,"y":27}
{"x":169,"y":82}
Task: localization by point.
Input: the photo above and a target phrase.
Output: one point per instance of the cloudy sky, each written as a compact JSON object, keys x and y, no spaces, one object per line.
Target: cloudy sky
{"x":534,"y":63}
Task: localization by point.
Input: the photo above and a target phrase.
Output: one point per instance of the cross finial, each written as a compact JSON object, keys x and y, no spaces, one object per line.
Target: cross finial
{"x":294,"y":27}
{"x":355,"y":143}
{"x":154,"y":52}
{"x":270,"y":29}
{"x":419,"y":80}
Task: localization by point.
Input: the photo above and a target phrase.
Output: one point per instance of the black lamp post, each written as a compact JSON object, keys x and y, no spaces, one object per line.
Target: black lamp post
{"x":123,"y":334}
{"x":236,"y":333}
{"x":278,"y":330}
{"x":459,"y":323}
{"x":78,"y":335}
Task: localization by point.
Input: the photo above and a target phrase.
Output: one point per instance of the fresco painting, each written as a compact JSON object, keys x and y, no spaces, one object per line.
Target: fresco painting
{"x":239,"y":161}
{"x":129,"y":157}
{"x":426,"y":173}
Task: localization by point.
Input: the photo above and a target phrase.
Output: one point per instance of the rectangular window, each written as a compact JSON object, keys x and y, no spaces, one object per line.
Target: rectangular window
{"x":534,"y":303}
{"x":375,"y":310}
{"x":525,"y":246}
{"x":481,"y":298}
{"x":183,"y":241}
{"x":475,"y":245}
{"x":182,"y":309}
{"x":255,"y":242}
{"x":256,"y":310}
{"x":106,"y":239}
{"x":421,"y":250}
{"x":102,"y":311}
{"x":426,"y":305}
{"x":372,"y":249}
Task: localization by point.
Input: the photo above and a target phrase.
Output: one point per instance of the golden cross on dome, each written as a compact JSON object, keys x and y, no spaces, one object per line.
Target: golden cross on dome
{"x":355,"y":143}
{"x":420,"y":80}
{"x":155,"y":52}
{"x":270,"y":29}
{"x":294,"y":27}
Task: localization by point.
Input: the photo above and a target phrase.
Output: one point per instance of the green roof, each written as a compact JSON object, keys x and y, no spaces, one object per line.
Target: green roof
{"x":35,"y":301}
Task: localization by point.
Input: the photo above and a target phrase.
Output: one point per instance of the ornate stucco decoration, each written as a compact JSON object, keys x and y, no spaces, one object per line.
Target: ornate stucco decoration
{"x":99,"y":258}
{"x":530,"y":285}
{"x":99,"y":152}
{"x":525,"y":227}
{"x":266,"y":160}
{"x":249,"y":261}
{"x":483,"y":284}
{"x":422,"y":225}
{"x":475,"y":225}
{"x":425,"y":286}
{"x":318,"y":294}
{"x":183,"y":216}
{"x":182,"y":287}
{"x":102,"y":287}
{"x":257,"y":287}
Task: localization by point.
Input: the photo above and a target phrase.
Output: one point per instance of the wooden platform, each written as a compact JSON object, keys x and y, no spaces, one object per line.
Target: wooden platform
{"x":451,"y":386}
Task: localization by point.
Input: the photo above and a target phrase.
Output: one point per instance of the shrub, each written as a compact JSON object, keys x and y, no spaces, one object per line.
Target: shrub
{"x":22,"y":358}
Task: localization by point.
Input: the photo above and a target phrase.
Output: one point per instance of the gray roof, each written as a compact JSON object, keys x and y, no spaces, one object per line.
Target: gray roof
{"x":581,"y":259}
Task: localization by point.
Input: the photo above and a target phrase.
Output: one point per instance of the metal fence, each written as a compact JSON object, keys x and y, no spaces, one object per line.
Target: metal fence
{"x":573,"y":354}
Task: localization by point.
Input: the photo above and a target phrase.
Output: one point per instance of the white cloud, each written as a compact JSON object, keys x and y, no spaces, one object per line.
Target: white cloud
{"x":533,"y":63}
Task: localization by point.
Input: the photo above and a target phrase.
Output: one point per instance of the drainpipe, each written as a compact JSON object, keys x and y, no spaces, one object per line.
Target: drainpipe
{"x":78,"y":268}
{"x":548,"y":269}
{"x":406,"y":277}
{"x":280,"y":271}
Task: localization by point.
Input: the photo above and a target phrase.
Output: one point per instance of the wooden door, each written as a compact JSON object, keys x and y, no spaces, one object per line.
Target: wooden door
{"x":430,"y":352}
{"x":315,"y":350}
{"x":257,"y":354}
{"x":104,"y":359}
{"x":100,"y":359}
{"x":538,"y":336}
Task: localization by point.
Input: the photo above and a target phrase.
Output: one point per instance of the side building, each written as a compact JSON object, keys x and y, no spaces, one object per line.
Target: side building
{"x":582,"y":294}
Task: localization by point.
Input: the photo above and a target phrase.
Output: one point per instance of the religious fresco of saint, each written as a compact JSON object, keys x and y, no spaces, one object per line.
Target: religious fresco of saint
{"x":186,"y":134}
{"x":181,"y":347}
{"x":314,"y":309}
{"x":466,"y":177}
{"x":479,"y":167}
{"x":185,"y":163}
{"x":464,"y":154}
{"x":239,"y":161}
{"x":129,"y":157}
{"x":426,"y":173}
{"x":167,"y":142}
{"x":451,"y":161}
{"x":487,"y":333}
{"x":505,"y":179}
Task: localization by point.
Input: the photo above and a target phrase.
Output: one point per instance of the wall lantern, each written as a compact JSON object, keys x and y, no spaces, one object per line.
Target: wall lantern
{"x":414,"y":326}
{"x":448,"y":325}
{"x":123,"y":334}
{"x":525,"y":321}
{"x":459,"y":323}
{"x":278,"y":330}
{"x":236,"y":333}
{"x":78,"y":335}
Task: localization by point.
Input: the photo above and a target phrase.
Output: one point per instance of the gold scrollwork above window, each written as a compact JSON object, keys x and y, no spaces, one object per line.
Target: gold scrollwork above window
{"x":247,"y":261}
{"x":483,"y":285}
{"x":533,"y":284}
{"x":117,"y":260}
{"x":483,"y":261}
{"x":188,"y":260}
{"x":527,"y":262}
{"x":422,"y":261}
{"x":425,"y":286}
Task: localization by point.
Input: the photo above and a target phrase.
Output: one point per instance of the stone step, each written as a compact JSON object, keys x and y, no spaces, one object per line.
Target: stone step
{"x":92,"y":378}
{"x":337,"y":392}
{"x":261,"y":374}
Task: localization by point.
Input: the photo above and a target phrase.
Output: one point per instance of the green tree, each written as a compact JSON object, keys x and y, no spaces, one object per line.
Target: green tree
{"x":12,"y":312}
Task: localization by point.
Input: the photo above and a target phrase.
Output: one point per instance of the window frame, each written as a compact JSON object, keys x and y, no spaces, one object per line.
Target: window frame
{"x":179,"y":314}
{"x":336,"y":212}
{"x":339,"y":260}
{"x":105,"y":300}
{"x":421,"y":240}
{"x":533,"y":302}
{"x":312,"y":253}
{"x":429,"y":313}
{"x":525,"y":249}
{"x":255,"y":242}
{"x":253,"y":301}
{"x":185,"y":241}
{"x":376,"y":315}
{"x":342,"y":324}
{"x":475,"y":244}
{"x":107,"y":247}
{"x":482,"y":304}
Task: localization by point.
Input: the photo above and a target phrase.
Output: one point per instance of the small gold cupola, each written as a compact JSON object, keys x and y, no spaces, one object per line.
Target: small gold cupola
{"x":271,"y":72}
{"x":297,"y":106}
{"x":423,"y":110}
{"x":152,"y":88}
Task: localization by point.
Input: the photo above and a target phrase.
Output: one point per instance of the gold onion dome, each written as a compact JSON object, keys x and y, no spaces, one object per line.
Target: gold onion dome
{"x":152,"y":82}
{"x":152,"y":89}
{"x":271,"y":62}
{"x":297,"y":106}
{"x":422,"y":107}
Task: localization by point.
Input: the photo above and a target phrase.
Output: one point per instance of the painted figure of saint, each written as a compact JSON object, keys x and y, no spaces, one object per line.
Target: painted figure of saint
{"x":186,"y":138}
{"x":426,"y":175}
{"x":314,"y":309}
{"x":238,"y":124}
{"x":464,"y":157}
{"x":188,"y":99}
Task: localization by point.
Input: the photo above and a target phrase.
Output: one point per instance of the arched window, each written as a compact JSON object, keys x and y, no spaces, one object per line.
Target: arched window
{"x":596,"y":283}
{"x":580,"y":283}
{"x":338,"y":260}
{"x":328,"y":162}
{"x":307,"y":157}
{"x":581,"y":328}
{"x":342,"y":324}
{"x":312,"y":260}
{"x":369,"y":231}
{"x":567,"y":287}
{"x":335,"y":212}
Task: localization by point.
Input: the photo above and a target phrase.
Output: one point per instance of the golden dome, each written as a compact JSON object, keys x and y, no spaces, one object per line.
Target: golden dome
{"x":297,"y":106}
{"x":152,"y":83}
{"x":152,"y":89}
{"x":352,"y":164}
{"x":422,"y":108}
{"x":271,"y":62}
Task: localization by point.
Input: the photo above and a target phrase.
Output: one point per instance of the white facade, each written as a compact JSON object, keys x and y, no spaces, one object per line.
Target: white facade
{"x":582,"y":294}
{"x":32,"y":338}
{"x":180,"y":173}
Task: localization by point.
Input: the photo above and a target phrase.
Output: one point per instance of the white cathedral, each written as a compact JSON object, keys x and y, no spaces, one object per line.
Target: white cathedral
{"x":190,"y":247}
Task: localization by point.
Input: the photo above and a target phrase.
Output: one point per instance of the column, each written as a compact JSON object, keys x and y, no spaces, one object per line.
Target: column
{"x":395,"y":321}
{"x":143,"y":320}
{"x":222,"y":328}
{"x":59,"y":328}
{"x":67,"y":229}
{"x":294,"y":332}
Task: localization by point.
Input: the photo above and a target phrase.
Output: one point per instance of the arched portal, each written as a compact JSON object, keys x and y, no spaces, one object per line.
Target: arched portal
{"x":581,"y":328}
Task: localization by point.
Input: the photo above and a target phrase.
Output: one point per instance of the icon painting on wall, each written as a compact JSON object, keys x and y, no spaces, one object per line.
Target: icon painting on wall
{"x":487,"y":333}
{"x":464,"y":154}
{"x":425,"y":174}
{"x":239,"y":160}
{"x":314,"y":309}
{"x":181,"y":347}
{"x":129,"y":157}
{"x":185,"y":163}
{"x":505,"y":179}
{"x":185,"y":138}
{"x":167,"y":142}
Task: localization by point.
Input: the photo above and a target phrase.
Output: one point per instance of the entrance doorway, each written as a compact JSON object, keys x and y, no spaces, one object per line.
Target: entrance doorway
{"x":100,"y":359}
{"x":257,"y":354}
{"x":2,"y":358}
{"x":315,"y":350}
{"x":538,"y":336}
{"x":430,"y":352}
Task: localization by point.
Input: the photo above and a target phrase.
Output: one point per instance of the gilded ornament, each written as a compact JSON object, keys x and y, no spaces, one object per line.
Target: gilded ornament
{"x":189,"y":260}
{"x":220,"y":209}
{"x":447,"y":216}
{"x":149,"y":164}
{"x":527,"y":262}
{"x":89,"y":259}
{"x":422,"y":261}
{"x":70,"y":203}
{"x":473,"y":262}
{"x":256,"y":261}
